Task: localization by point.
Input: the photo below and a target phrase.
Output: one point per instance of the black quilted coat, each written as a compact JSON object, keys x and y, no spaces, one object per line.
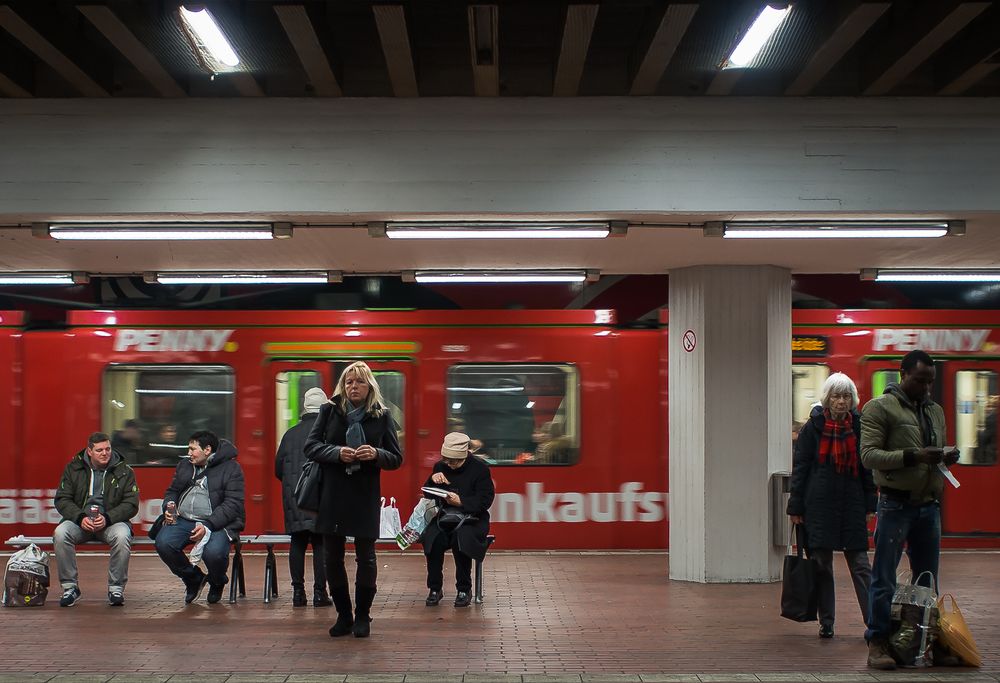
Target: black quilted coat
{"x":833,"y":505}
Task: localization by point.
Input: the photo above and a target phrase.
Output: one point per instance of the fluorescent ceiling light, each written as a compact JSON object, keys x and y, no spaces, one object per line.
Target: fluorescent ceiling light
{"x":763,"y":27}
{"x":486,"y":276}
{"x":40,"y":279}
{"x":290,"y":277}
{"x":165,"y":231}
{"x":497,"y":229}
{"x":931,"y":274}
{"x":209,"y":35}
{"x":834,"y":229}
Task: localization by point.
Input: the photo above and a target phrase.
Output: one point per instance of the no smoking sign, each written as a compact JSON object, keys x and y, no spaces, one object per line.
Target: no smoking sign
{"x":689,"y":341}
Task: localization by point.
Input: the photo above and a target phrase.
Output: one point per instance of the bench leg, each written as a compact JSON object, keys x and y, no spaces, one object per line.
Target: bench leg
{"x":270,"y":567}
{"x":478,"y":599}
{"x":237,"y":578}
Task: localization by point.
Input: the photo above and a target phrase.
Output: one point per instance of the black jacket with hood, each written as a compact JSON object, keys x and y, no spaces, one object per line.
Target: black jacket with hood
{"x":120,"y":493}
{"x":474,"y":485}
{"x":287,"y":468}
{"x":226,"y":489}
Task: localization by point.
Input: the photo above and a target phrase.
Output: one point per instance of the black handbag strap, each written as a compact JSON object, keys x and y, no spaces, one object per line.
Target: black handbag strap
{"x":795,"y":533}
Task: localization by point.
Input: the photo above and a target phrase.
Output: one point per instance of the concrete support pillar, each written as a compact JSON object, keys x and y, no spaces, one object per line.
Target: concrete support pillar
{"x":730,"y":416}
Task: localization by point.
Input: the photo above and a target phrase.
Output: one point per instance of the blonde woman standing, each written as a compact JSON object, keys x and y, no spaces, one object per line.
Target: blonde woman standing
{"x":354,"y":439}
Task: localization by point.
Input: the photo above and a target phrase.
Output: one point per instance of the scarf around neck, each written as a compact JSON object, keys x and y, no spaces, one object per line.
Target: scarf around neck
{"x":355,"y":433}
{"x":839,"y":443}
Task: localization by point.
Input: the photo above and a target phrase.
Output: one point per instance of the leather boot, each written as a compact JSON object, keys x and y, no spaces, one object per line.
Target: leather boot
{"x":342,"y":599}
{"x":363,"y":597}
{"x":878,"y":655}
{"x":298,"y":596}
{"x":320,"y":598}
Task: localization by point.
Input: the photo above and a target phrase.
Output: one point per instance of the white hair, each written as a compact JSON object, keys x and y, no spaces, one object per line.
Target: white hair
{"x":839,"y":383}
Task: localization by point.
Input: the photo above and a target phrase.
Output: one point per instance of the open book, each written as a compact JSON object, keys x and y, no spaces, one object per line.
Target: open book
{"x":436,"y":492}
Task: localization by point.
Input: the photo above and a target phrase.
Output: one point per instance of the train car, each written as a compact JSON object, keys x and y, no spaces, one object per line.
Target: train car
{"x":571,"y":408}
{"x":568,"y":407}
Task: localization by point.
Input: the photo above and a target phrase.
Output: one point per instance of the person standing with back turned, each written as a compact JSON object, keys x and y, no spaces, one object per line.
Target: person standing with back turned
{"x":354,"y":439}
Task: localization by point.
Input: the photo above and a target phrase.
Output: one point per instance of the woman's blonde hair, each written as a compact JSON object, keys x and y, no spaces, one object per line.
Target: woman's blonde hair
{"x":839,"y":383}
{"x":374,"y":403}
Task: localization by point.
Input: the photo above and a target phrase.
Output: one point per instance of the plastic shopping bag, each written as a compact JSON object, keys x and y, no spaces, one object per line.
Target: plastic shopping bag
{"x":914,"y":622}
{"x":26,"y":581}
{"x":954,"y":633}
{"x":390,"y":524}
{"x":423,"y":511}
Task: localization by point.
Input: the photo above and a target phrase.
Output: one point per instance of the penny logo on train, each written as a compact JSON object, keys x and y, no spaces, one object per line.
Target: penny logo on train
{"x":173,"y":340}
{"x":893,"y":339}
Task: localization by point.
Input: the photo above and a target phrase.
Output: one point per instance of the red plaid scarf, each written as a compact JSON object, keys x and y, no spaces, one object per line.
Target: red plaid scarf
{"x":840,"y":442}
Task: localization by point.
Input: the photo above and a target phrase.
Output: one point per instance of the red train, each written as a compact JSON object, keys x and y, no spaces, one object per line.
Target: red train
{"x":543,"y":390}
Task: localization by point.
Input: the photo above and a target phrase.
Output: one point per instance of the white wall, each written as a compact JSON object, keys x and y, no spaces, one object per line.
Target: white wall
{"x":367,"y":157}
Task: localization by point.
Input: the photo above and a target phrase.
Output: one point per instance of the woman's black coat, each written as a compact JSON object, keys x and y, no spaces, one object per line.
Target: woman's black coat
{"x":474,"y":485}
{"x":833,"y":505}
{"x":350,"y":504}
{"x":287,"y":468}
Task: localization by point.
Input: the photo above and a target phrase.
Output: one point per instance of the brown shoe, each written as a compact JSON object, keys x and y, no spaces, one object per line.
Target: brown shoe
{"x":879,"y":657}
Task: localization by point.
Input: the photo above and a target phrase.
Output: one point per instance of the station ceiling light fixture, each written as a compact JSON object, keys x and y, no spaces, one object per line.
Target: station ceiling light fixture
{"x":756,"y":37}
{"x":931,"y":274}
{"x":444,"y":230}
{"x":275,"y":277}
{"x":831,"y":229}
{"x":163,"y":231}
{"x":499,"y":276}
{"x":42,"y":278}
{"x":209,"y":38}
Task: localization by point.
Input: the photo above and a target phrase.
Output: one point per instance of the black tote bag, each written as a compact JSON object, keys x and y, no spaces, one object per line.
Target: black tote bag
{"x":307,"y":487}
{"x":799,"y":594}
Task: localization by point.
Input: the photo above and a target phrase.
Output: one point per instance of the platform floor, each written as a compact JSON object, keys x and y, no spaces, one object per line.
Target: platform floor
{"x":548,"y":617}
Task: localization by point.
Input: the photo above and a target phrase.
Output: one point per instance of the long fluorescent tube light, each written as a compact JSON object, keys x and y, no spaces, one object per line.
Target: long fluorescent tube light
{"x":756,"y":37}
{"x":204,"y":26}
{"x":834,"y":229}
{"x":931,"y":274}
{"x":166,"y":231}
{"x":291,"y":277}
{"x":40,"y":279}
{"x":510,"y":276}
{"x":497,"y":229}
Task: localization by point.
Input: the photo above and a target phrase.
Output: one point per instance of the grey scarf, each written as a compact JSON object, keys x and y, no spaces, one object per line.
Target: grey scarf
{"x":355,"y":434}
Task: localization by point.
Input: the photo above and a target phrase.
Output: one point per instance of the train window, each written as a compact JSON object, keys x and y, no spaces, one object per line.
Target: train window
{"x":393,"y":388}
{"x":150,"y":410}
{"x":807,"y":386}
{"x":881,"y":379}
{"x":289,"y":389}
{"x":523,"y":414}
{"x":976,"y":399}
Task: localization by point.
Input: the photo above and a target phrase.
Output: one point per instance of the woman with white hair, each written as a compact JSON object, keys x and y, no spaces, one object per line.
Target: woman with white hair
{"x":354,"y":438}
{"x":833,"y":495}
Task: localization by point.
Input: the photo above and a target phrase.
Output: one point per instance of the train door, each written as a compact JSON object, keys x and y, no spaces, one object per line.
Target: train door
{"x":290,"y":379}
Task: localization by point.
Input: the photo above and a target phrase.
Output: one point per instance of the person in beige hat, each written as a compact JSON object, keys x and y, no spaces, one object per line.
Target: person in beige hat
{"x":470,"y":491}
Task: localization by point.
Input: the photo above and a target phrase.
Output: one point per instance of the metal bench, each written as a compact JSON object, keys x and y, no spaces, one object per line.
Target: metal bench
{"x":271,"y":563}
{"x":237,"y":582}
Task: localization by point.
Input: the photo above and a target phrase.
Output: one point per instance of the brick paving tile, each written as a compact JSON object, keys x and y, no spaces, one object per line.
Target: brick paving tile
{"x":610,"y":678}
{"x":726,"y":678}
{"x":545,"y":614}
{"x":796,"y":677}
{"x":964,"y":676}
{"x":551,"y":678}
{"x":257,"y":678}
{"x":23,"y":677}
{"x":375,"y":678}
{"x":433,"y":678}
{"x":316,"y":678}
{"x":140,"y":678}
{"x":80,"y":678}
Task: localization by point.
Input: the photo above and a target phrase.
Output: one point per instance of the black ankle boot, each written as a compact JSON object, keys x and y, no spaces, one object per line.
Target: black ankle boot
{"x":320,"y":598}
{"x":298,"y":596}
{"x":363,"y":597}
{"x":342,"y":599}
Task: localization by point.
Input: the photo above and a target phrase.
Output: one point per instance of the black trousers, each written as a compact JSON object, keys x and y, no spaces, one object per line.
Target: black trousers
{"x":861,"y":577}
{"x":297,"y":559}
{"x":364,"y":555}
{"x":435,"y":564}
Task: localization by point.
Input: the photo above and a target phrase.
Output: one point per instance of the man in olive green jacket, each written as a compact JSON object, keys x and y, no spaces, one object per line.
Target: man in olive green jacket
{"x":902,"y":439}
{"x":97,"y":496}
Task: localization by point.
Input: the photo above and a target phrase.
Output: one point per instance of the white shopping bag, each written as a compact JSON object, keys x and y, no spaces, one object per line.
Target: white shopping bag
{"x":390,"y":524}
{"x":26,"y":581}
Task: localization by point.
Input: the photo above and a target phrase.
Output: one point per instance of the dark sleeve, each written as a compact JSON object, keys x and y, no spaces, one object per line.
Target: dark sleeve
{"x":805,"y":454}
{"x":279,"y":458}
{"x":177,"y":486}
{"x":389,"y":454}
{"x":231,"y":507}
{"x":126,"y":509}
{"x":64,"y":502}
{"x":482,"y":493}
{"x":438,"y":467}
{"x":867,"y":482}
{"x":316,"y":447}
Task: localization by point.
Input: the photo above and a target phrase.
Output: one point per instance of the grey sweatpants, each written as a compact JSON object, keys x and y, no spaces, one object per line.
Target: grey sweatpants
{"x":861,"y":577}
{"x":69,"y":534}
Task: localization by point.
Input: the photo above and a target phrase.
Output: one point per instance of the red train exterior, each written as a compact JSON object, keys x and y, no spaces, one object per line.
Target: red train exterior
{"x":610,"y":494}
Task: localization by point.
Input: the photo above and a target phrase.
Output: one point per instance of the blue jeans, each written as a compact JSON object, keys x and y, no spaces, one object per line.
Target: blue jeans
{"x":919,"y":526}
{"x":174,"y":538}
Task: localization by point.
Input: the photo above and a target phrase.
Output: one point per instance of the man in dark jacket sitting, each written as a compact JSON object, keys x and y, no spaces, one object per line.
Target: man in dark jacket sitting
{"x":209,"y":494}
{"x":96,"y":497}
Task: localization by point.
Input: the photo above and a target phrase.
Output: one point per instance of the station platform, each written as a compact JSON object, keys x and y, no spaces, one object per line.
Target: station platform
{"x":547,"y":618}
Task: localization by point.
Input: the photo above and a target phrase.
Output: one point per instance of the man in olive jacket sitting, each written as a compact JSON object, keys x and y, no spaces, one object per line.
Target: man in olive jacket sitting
{"x":902,"y":439}
{"x":97,"y":497}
